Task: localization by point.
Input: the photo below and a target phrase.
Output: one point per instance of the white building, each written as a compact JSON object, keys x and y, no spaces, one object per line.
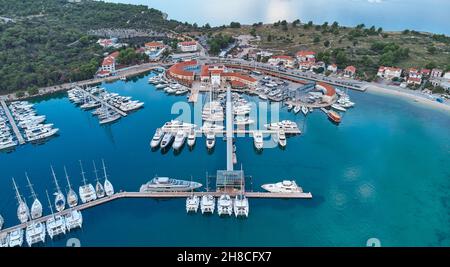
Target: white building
{"x":333,"y":68}
{"x":306,"y":56}
{"x":436,"y":73}
{"x":389,"y":72}
{"x":286,"y":61}
{"x":447,"y":75}
{"x":191,"y":46}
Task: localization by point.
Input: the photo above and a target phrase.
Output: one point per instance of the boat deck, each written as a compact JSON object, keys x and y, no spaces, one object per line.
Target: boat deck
{"x":13,"y":123}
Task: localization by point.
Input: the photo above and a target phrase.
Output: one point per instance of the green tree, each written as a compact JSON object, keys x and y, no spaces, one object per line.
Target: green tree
{"x":235,"y":25}
{"x":326,"y":43}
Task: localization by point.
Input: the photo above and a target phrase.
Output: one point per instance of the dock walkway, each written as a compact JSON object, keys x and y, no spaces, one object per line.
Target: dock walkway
{"x":121,"y":195}
{"x":13,"y":123}
{"x":123,"y":114}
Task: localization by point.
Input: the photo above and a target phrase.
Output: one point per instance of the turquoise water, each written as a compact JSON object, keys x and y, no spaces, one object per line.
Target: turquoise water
{"x":383,"y":173}
{"x":389,"y":14}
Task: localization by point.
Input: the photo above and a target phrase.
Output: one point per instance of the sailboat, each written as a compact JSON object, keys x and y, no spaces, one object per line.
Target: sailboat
{"x":60,"y":200}
{"x":36,"y":207}
{"x":22,"y":210}
{"x":72,"y":197}
{"x":240,"y":206}
{"x":86,"y":191}
{"x":109,"y":189}
{"x":56,"y":225}
{"x":98,"y":186}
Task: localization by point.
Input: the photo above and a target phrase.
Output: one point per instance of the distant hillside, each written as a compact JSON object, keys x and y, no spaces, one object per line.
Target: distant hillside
{"x":45,"y":42}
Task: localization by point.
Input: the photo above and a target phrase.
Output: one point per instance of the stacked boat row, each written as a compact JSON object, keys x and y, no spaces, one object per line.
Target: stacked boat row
{"x":7,"y":139}
{"x":169,"y":87}
{"x":174,"y":133}
{"x":56,"y":224}
{"x":32,"y":124}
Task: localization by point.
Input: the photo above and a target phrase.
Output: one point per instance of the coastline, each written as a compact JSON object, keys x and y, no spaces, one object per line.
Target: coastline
{"x":421,"y":100}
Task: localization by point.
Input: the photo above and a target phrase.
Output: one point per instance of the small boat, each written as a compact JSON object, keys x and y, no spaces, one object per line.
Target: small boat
{"x":225,"y":205}
{"x":180,"y":138}
{"x":207,"y":204}
{"x":23,"y":212}
{"x":304,"y":110}
{"x":109,"y":189}
{"x":166,"y":184}
{"x":191,"y":138}
{"x":166,"y":140}
{"x":210,"y":140}
{"x":36,"y":207}
{"x":258,"y":140}
{"x":290,"y":107}
{"x":156,"y":138}
{"x":99,"y":190}
{"x":161,"y":86}
{"x":283,"y":187}
{"x":60,"y":200}
{"x":338,"y":107}
{"x":282,"y":138}
{"x":297,"y":109}
{"x":72,"y":197}
{"x":333,"y":116}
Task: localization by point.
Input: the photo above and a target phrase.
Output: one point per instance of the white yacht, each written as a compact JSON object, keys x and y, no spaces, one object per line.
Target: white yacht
{"x":16,"y":238}
{"x":283,"y":187}
{"x":225,"y":205}
{"x":338,"y":107}
{"x":166,"y":140}
{"x":240,"y":120}
{"x":36,"y":207}
{"x":132,"y":105}
{"x":305,"y":110}
{"x":166,"y":184}
{"x":86,"y":191}
{"x":2,"y":221}
{"x":191,"y":138}
{"x":282,"y":138}
{"x":258,"y":140}
{"x":99,"y":190}
{"x":285,"y":125}
{"x":107,"y":185}
{"x":60,"y":200}
{"x":72,"y":197}
{"x":192,"y":203}
{"x":241,"y":207}
{"x":4,"y":240}
{"x":180,"y":138}
{"x":35,"y":233}
{"x":40,"y":133}
{"x":297,"y":109}
{"x":110,"y":118}
{"x":56,"y":225}
{"x":207,"y":204}
{"x":22,"y":210}
{"x":210,"y":140}
{"x":175,"y":125}
{"x":73,"y":220}
{"x":156,"y":138}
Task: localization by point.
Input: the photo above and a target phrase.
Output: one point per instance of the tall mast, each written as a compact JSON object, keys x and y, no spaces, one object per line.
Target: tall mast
{"x":31,"y":187}
{"x":67,"y":178}
{"x":56,"y":181}
{"x":82,"y":173}
{"x":95,"y":171}
{"x":17,"y":191}
{"x":50,"y":204}
{"x":104,"y":170}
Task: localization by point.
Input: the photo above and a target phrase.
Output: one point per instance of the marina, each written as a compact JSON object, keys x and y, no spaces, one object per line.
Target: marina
{"x":12,"y":122}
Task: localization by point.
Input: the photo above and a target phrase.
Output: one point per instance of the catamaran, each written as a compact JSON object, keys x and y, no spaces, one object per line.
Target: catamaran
{"x":35,"y":233}
{"x":22,"y":210}
{"x":86,"y":191}
{"x":109,"y":189}
{"x":4,"y":240}
{"x":225,"y":205}
{"x":241,"y":207}
{"x":60,"y":200}
{"x":99,"y":190}
{"x":192,"y":202}
{"x":56,"y":225}
{"x":16,"y":238}
{"x":72,"y":198}
{"x":207,"y":204}
{"x":73,"y":219}
{"x":36,"y":207}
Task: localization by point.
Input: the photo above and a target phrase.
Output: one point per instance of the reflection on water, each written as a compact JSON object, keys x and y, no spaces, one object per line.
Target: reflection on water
{"x":389,"y":14}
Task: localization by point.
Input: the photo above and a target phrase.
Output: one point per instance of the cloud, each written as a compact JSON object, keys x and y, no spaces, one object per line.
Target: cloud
{"x":375,"y":1}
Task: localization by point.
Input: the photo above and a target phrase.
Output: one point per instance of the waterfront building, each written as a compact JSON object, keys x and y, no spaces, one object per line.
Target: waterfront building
{"x":436,"y":73}
{"x":333,"y":68}
{"x":329,"y":92}
{"x":306,"y":56}
{"x":154,"y":46}
{"x":154,"y":50}
{"x":286,"y":61}
{"x":414,"y":77}
{"x":389,"y":72}
{"x":190,"y":46}
{"x":447,"y":75}
{"x":349,"y":72}
{"x":425,"y":72}
{"x":183,"y":72}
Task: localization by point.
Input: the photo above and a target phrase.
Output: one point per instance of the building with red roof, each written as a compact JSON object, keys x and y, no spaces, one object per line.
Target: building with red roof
{"x":154,"y":46}
{"x":389,"y":72}
{"x":190,"y":46}
{"x":182,"y":72}
{"x":350,"y":71}
{"x":286,"y":61}
{"x":329,"y":92}
{"x":306,"y":56}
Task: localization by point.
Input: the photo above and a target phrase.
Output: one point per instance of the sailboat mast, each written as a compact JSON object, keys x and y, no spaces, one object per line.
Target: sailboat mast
{"x":82,"y":173}
{"x":50,"y":204}
{"x":54,"y":178}
{"x":31,"y":186}
{"x":17,"y":191}
{"x":104,"y":170}
{"x":95,"y":171}
{"x":67,"y":178}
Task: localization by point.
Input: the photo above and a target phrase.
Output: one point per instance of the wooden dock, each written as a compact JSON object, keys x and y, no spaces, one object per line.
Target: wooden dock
{"x":123,"y":114}
{"x":122,"y":195}
{"x":13,"y":123}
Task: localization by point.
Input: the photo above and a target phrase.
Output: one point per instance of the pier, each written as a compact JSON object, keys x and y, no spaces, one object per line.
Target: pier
{"x":13,"y":123}
{"x":123,"y":114}
{"x":156,"y":195}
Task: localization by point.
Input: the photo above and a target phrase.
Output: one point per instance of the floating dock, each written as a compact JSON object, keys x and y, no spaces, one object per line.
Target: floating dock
{"x":122,"y":195}
{"x":13,"y":123}
{"x":123,"y":114}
